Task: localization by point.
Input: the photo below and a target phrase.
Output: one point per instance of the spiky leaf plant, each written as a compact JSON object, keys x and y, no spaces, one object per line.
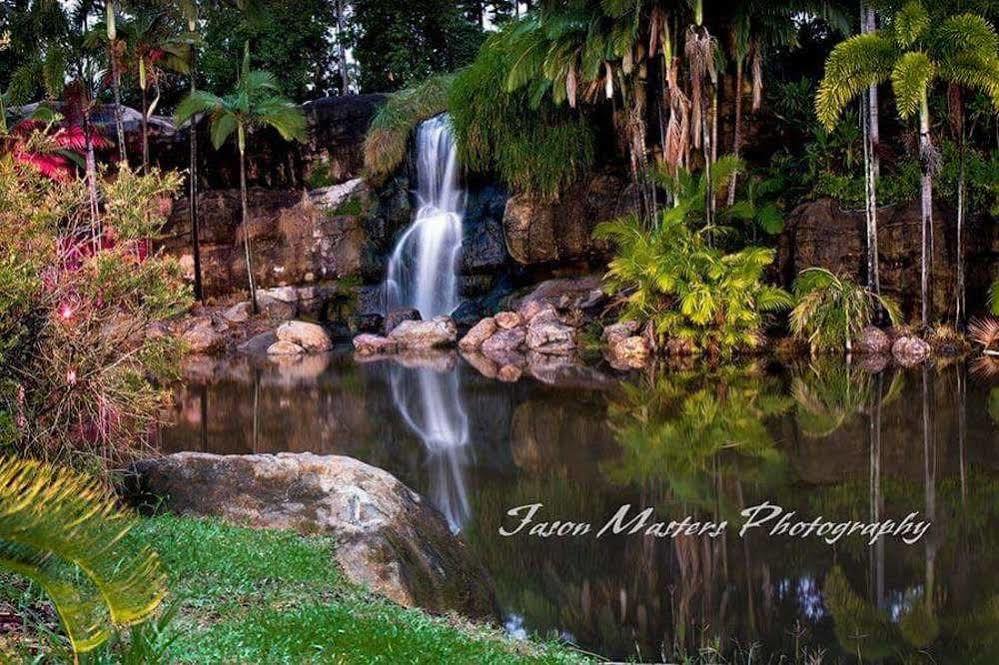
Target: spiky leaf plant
{"x":831,"y":311}
{"x":388,"y":135}
{"x":61,"y":530}
{"x":985,"y":333}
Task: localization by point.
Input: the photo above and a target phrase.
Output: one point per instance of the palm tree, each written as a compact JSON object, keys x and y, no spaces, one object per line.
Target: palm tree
{"x":254,"y":103}
{"x":914,"y":52}
{"x":152,"y":48}
{"x":189,"y":11}
{"x":115,"y":53}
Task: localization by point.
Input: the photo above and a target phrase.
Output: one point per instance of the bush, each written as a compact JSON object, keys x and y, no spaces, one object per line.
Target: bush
{"x":831,"y":311}
{"x":691,"y":291}
{"x":78,"y":370}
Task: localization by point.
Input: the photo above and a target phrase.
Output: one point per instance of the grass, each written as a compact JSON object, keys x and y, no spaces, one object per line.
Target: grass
{"x":251,"y":596}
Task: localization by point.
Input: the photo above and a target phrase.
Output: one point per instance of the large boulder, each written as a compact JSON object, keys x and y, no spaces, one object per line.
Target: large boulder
{"x":872,"y":340}
{"x":540,"y":231}
{"x":910,"y":351}
{"x":573,"y":296}
{"x":202,"y":338}
{"x":821,"y":233}
{"x":388,"y":537}
{"x":438,"y":332}
{"x":309,"y":336}
{"x":503,"y":344}
{"x":628,"y":353}
{"x":479,"y":333}
{"x":397,"y":316}
{"x":367,"y":344}
{"x":547,"y":335}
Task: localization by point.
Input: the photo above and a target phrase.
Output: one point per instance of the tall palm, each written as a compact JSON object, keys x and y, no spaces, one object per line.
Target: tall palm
{"x":189,"y":12}
{"x":913,"y":53}
{"x":153,"y":47}
{"x":254,"y":103}
{"x":115,"y":53}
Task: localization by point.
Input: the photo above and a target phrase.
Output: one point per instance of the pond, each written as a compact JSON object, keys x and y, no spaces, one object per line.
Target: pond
{"x":822,"y":439}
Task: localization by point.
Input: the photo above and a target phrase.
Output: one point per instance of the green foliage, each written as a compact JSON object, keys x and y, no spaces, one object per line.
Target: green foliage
{"x":534,"y":145}
{"x":994,"y":298}
{"x":688,"y":289}
{"x":831,"y":311}
{"x":399,"y":43}
{"x":388,"y":135}
{"x":62,"y":531}
{"x":77,"y":371}
{"x":831,"y":394}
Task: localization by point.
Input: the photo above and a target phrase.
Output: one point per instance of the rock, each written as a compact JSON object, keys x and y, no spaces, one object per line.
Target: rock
{"x":238,"y":313}
{"x":258,"y":344}
{"x":504,"y":341}
{"x":580,"y":293}
{"x":529,"y":309}
{"x":679,"y":347}
{"x":388,"y":537}
{"x":310,"y":336}
{"x":541,"y":231}
{"x":910,"y":351}
{"x":508,"y":320}
{"x":546,"y":334}
{"x":618,"y":332}
{"x":479,"y":333}
{"x":286,"y":294}
{"x":284,"y":348}
{"x":872,"y":340}
{"x":482,"y":365}
{"x":201,"y":338}
{"x":367,"y":344}
{"x":441,"y":331}
{"x":397,"y":316}
{"x":629,"y":353}
{"x":368,"y":323}
{"x":509,"y":373}
{"x":275,"y":308}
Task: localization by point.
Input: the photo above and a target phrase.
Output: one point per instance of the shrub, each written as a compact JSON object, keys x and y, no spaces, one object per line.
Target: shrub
{"x":388,"y":136}
{"x":831,"y":311}
{"x":77,"y":368}
{"x":689,"y":290}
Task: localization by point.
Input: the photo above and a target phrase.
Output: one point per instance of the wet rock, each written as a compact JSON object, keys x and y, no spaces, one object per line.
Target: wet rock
{"x":238,"y":313}
{"x":618,"y":332}
{"x":910,"y":351}
{"x":872,"y":340}
{"x":367,"y":344}
{"x":508,"y":320}
{"x":479,"y":333}
{"x":504,"y":342}
{"x":397,"y":316}
{"x":546,"y":334}
{"x":309,"y":336}
{"x":580,"y":293}
{"x":509,"y":374}
{"x":258,"y":344}
{"x":440,"y":331}
{"x":629,"y":353}
{"x":482,"y":365}
{"x":388,"y":537}
{"x":284,"y":348}
{"x":201,"y":338}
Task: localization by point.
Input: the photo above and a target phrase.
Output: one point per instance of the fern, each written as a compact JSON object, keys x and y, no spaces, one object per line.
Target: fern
{"x":61,"y":530}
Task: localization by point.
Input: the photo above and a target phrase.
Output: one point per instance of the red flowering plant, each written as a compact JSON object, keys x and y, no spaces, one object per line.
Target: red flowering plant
{"x":81,"y":359}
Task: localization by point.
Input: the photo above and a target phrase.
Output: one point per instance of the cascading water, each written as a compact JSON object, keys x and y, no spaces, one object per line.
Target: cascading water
{"x":421,"y":270}
{"x":421,"y":274}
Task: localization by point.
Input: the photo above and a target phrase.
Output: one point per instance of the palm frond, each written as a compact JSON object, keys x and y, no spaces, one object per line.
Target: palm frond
{"x":911,"y":79}
{"x":853,"y":66}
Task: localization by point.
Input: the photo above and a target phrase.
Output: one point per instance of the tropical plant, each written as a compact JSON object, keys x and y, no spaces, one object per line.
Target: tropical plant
{"x":830,"y":311}
{"x":985,"y":333}
{"x":62,"y":530}
{"x":105,"y":35}
{"x":671,"y":276}
{"x":388,"y":135}
{"x":253,"y":104}
{"x":913,"y":52}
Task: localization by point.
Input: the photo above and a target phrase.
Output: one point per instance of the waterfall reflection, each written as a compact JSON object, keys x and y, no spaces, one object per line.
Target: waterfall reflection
{"x":432,"y":406}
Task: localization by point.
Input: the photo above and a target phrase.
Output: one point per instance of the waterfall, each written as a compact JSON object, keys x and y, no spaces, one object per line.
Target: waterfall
{"x":421,"y":270}
{"x":433,"y":407}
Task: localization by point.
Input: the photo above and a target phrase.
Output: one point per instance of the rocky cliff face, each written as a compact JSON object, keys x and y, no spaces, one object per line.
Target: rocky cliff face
{"x":821,"y":233}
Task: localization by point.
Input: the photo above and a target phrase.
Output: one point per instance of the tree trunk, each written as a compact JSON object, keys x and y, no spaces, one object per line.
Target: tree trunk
{"x":91,"y":174}
{"x":871,"y":166}
{"x":118,"y":122}
{"x":246,"y":218}
{"x":960,"y":299}
{"x":145,"y":133}
{"x":192,"y":188}
{"x":926,"y":150}
{"x":340,"y":30}
{"x":737,"y":138}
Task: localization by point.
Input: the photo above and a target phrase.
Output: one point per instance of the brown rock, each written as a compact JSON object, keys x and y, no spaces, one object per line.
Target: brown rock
{"x":618,"y":332}
{"x":201,"y":338}
{"x":872,"y":340}
{"x":504,"y":342}
{"x":509,"y":373}
{"x":546,"y":334}
{"x":309,"y":336}
{"x":479,"y":333}
{"x":367,"y":344}
{"x":629,"y":353}
{"x":910,"y":351}
{"x":388,"y":538}
{"x":397,"y":316}
{"x":284,"y":348}
{"x":508,"y":320}
{"x":441,"y":331}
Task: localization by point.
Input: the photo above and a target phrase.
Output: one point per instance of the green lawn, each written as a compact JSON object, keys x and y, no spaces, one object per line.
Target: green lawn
{"x":248,"y":596}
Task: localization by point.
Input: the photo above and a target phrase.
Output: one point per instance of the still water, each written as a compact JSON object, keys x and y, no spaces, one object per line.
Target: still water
{"x":822,"y":439}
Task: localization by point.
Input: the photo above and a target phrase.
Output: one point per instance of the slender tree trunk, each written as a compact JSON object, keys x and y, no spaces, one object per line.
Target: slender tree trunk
{"x":871,"y":166}
{"x":192,"y":187}
{"x":118,"y":121}
{"x":959,"y":309}
{"x":246,"y":218}
{"x":91,"y":174}
{"x":145,"y":133}
{"x":340,"y":36}
{"x":926,"y":152}
{"x":737,"y":138}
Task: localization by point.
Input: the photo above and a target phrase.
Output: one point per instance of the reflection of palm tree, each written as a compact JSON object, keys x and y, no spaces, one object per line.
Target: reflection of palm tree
{"x":830,"y":395}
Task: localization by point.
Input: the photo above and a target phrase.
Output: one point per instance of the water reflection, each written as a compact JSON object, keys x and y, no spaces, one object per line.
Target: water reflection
{"x":822,"y":438}
{"x":431,"y":404}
